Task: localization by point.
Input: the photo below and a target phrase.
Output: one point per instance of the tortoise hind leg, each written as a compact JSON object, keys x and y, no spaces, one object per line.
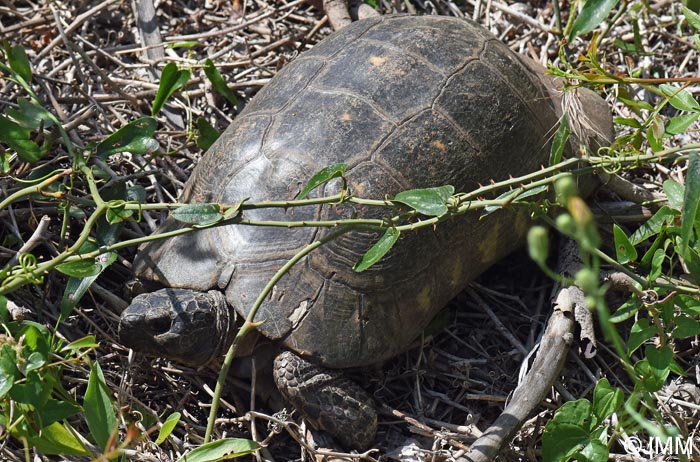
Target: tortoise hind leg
{"x":327,"y":399}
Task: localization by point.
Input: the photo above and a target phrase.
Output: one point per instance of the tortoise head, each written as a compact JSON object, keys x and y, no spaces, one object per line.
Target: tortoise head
{"x":185,"y":325}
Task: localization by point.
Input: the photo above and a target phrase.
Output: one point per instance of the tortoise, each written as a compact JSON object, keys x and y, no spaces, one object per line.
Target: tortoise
{"x":406,"y":102}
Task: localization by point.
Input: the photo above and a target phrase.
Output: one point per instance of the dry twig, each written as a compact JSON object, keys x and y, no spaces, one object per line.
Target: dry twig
{"x":551,"y":355}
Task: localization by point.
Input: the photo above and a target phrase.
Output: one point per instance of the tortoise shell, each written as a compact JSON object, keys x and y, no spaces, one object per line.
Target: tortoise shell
{"x":406,"y":102}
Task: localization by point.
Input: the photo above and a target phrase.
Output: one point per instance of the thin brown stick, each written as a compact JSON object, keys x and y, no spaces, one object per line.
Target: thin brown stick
{"x":79,"y":20}
{"x":553,"y":349}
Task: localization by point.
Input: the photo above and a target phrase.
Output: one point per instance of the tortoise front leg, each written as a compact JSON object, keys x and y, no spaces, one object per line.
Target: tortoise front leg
{"x":327,"y":399}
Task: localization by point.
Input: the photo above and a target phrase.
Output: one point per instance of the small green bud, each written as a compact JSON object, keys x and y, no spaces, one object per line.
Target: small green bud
{"x":590,"y":302}
{"x":587,"y":280}
{"x":565,"y":189}
{"x":565,"y":224}
{"x":538,"y":244}
{"x":585,"y":222}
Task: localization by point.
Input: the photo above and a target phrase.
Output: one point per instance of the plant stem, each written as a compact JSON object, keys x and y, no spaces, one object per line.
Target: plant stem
{"x":37,"y":188}
{"x":250,"y":324}
{"x":92,"y":185}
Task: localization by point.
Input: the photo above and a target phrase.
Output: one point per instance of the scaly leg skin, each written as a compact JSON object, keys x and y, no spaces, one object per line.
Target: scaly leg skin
{"x":327,"y":399}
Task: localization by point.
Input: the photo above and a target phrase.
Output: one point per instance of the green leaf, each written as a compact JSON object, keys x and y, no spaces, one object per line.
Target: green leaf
{"x":55,"y":411}
{"x":692,"y":18}
{"x":206,"y":134}
{"x":20,"y":63}
{"x":679,"y":98}
{"x":80,"y":344}
{"x":18,"y":138}
{"x":559,"y":443}
{"x":88,"y":267}
{"x":646,"y":260}
{"x":636,"y":104}
{"x":532,"y":192}
{"x":118,"y":215}
{"x":606,"y":400}
{"x":36,"y":338}
{"x":657,"y":261}
{"x":659,"y":360}
{"x":8,"y":369}
{"x":198,"y":214}
{"x":226,"y":448}
{"x":658,"y":127}
{"x":674,"y":192}
{"x":182,"y":44}
{"x":595,"y":451}
{"x":109,"y":234}
{"x":136,"y":193}
{"x":574,"y":413}
{"x":688,"y":304}
{"x":685,"y":327}
{"x":99,"y":410}
{"x":4,"y":312}
{"x":31,"y":115}
{"x":171,"y":80}
{"x":83,"y":277}
{"x":35,"y":361}
{"x":33,"y":390}
{"x":135,"y":137}
{"x":665,"y":215}
{"x":429,"y":201}
{"x":640,"y":332}
{"x":43,"y":330}
{"x":218,"y":82}
{"x":323,"y":176}
{"x":559,"y":141}
{"x":624,"y":249}
{"x":79,"y":268}
{"x":627,"y":121}
{"x":593,"y":13}
{"x":691,"y":202}
{"x":626,"y":311}
{"x":234,"y":209}
{"x":513,"y":195}
{"x":693,"y":5}
{"x":648,"y":379}
{"x":378,"y":250}
{"x":680,"y":124}
{"x":116,"y":212}
{"x":692,"y":260}
{"x":655,"y":133}
{"x":168,"y":427}
{"x":666,"y":311}
{"x":56,"y":439}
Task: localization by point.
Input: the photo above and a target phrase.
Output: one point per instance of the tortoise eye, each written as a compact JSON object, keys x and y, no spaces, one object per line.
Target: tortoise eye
{"x":158,"y":325}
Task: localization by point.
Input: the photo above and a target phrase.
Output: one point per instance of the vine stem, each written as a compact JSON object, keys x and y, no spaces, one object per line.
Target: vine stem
{"x":463,"y":202}
{"x":92,"y":185}
{"x":44,"y":267}
{"x":250,"y":324}
{"x":34,"y":189}
{"x":71,"y":254}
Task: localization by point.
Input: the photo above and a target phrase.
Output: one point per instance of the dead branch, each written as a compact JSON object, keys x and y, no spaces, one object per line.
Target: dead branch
{"x":553,"y":349}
